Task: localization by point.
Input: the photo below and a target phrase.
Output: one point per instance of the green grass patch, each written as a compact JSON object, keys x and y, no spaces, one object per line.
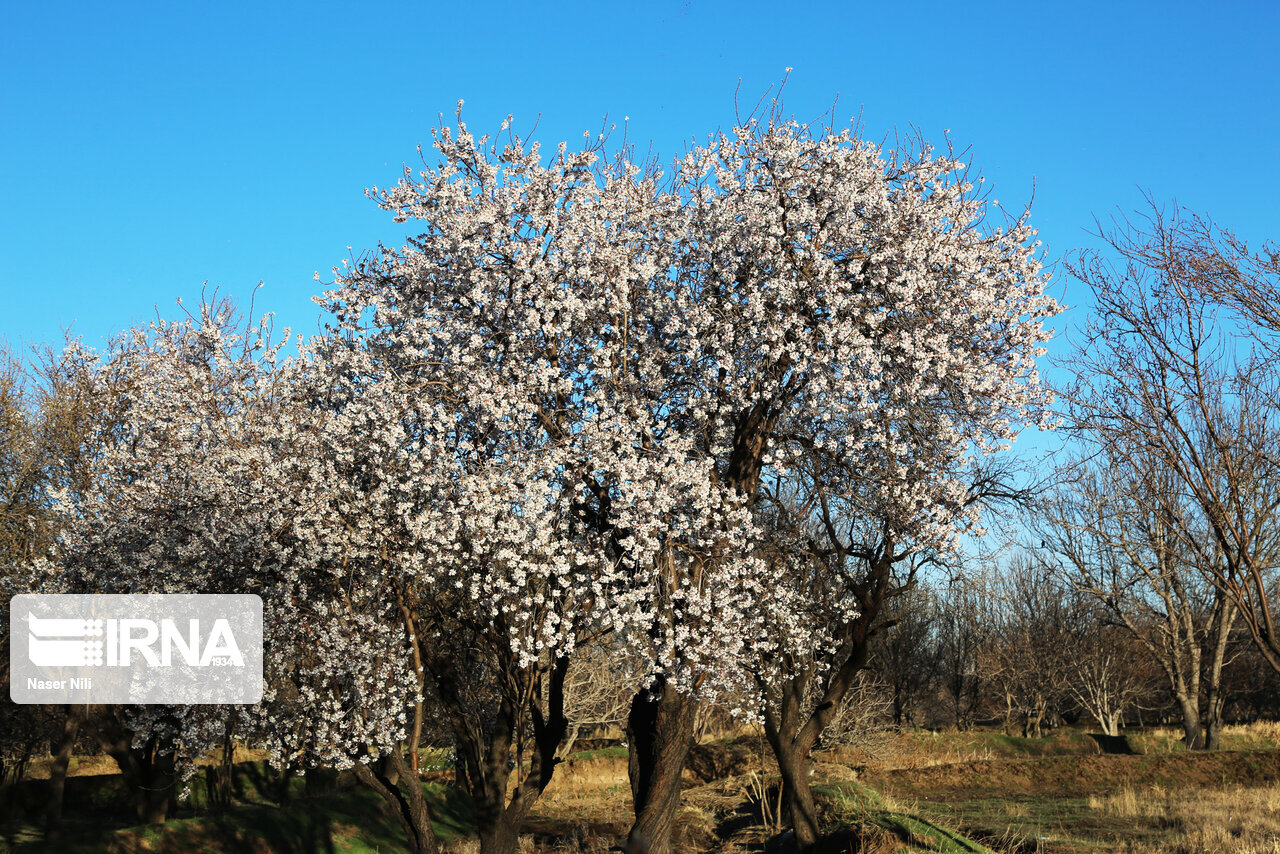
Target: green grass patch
{"x":347,"y":820}
{"x":852,"y":807}
{"x":616,"y":752}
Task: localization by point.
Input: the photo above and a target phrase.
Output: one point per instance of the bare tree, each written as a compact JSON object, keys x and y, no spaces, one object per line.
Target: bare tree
{"x":1166,"y":384}
{"x":598,"y":687}
{"x":1032,"y":642}
{"x":906,"y":654}
{"x":964,"y":621}
{"x":1121,"y":536}
{"x":1106,"y":673}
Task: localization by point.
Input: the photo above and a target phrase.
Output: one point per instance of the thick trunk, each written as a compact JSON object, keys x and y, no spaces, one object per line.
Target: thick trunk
{"x":149,"y":771}
{"x":1213,"y":724}
{"x":802,"y":812}
{"x":500,"y":836}
{"x":404,"y":796}
{"x":62,"y":748}
{"x":154,"y":802}
{"x":791,"y":741}
{"x":494,"y":823}
{"x":1193,"y":733}
{"x":659,"y":735}
{"x":1225,"y":617}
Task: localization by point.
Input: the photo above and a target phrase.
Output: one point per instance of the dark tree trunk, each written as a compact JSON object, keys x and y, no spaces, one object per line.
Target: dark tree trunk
{"x":486,"y":758}
{"x":393,"y":780}
{"x":659,"y":735}
{"x":220,"y":775}
{"x":792,"y":730}
{"x":62,"y":748}
{"x":499,"y":818}
{"x":500,"y":835}
{"x":797,"y":795}
{"x":1213,"y":724}
{"x":1215,"y":696}
{"x":149,"y":770}
{"x":792,"y":733}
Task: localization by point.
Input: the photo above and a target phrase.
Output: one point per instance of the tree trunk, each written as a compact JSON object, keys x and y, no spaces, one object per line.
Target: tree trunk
{"x":220,"y":775}
{"x":1193,"y":734}
{"x":1224,"y":620}
{"x":659,"y":735}
{"x":1034,"y":727}
{"x":157,"y":796}
{"x":404,"y":796}
{"x":486,"y":756}
{"x":62,"y":749}
{"x":149,"y":771}
{"x":1213,"y":724}
{"x":793,"y":730}
{"x":802,"y":812}
{"x":501,"y":835}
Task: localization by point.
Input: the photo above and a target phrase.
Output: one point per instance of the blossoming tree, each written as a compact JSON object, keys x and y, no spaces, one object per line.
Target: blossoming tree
{"x":205,"y":476}
{"x":501,"y":426}
{"x":579,"y":375}
{"x":706,"y":413}
{"x":863,"y":341}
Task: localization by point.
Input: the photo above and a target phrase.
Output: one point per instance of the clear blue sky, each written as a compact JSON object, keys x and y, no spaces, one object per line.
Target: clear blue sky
{"x":147,"y":149}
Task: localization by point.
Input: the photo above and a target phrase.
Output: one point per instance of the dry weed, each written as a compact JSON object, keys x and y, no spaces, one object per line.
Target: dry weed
{"x":1234,"y":820}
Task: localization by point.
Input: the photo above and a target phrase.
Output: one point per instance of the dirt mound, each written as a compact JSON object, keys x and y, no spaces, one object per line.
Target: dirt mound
{"x":1080,"y":776}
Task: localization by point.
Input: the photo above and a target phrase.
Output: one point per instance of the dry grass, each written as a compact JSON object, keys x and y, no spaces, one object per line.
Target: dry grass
{"x":588,"y":780}
{"x":1261,"y":735}
{"x":1255,"y":736}
{"x":904,"y":751}
{"x":94,"y":766}
{"x":1234,"y":820}
{"x":586,"y":793}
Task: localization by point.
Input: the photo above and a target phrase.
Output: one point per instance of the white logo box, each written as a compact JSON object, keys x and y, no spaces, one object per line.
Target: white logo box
{"x":143,"y":648}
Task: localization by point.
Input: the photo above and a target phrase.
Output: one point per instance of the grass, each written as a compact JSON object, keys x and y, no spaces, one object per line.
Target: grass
{"x":880,"y":822}
{"x":1158,"y":803}
{"x":1231,"y":820}
{"x":349,"y":820}
{"x":975,"y":792}
{"x":615,"y":752}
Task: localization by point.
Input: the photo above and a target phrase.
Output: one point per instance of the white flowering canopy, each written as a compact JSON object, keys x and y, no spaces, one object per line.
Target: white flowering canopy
{"x":554,"y":409}
{"x":206,"y":477}
{"x":562,"y":394}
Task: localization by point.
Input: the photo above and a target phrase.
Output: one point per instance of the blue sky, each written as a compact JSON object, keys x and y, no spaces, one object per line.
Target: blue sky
{"x":148,"y":149}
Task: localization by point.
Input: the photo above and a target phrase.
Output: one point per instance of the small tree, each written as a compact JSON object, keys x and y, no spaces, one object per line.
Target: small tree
{"x":204,"y":479}
{"x":1109,"y":675}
